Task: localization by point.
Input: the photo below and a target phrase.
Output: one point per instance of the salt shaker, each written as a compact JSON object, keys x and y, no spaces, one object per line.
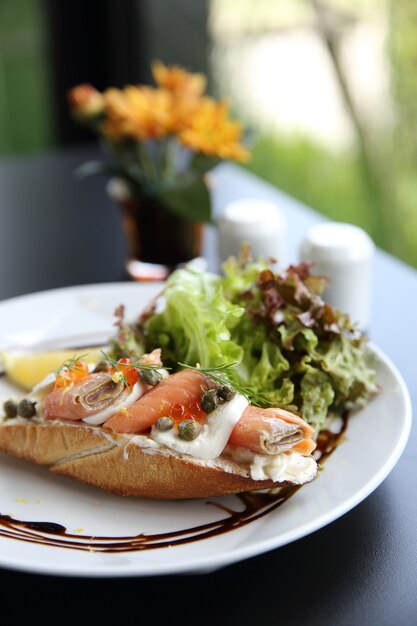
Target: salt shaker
{"x":256,"y":222}
{"x":342,"y":252}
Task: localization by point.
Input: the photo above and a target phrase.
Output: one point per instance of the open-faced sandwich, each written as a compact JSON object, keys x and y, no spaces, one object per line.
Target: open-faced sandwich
{"x":137,"y":430}
{"x":254,"y":365}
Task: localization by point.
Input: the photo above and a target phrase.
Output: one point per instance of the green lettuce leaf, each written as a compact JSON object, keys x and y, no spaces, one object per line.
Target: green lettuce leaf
{"x":196,"y":323}
{"x":288,"y":346}
{"x":317,"y":395}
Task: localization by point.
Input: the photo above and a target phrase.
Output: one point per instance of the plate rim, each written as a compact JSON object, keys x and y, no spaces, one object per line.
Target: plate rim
{"x":228,"y":557}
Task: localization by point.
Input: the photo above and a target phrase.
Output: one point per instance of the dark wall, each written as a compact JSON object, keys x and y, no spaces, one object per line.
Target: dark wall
{"x":174,"y":32}
{"x":112,"y":42}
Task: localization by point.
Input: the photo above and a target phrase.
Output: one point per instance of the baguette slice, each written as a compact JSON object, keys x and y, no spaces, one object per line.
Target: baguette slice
{"x":118,"y":464}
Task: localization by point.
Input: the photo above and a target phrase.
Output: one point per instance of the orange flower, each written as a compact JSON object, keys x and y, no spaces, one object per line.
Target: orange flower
{"x":138,"y":112}
{"x":178,"y":81}
{"x":185,"y":88}
{"x":85,"y":101}
{"x":175,"y":108}
{"x":213,"y":133}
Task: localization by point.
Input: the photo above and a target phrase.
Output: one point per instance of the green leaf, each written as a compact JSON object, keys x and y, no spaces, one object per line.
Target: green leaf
{"x":191,"y":200}
{"x":202,"y":163}
{"x":197,"y":322}
{"x":317,"y":394}
{"x":317,"y":371}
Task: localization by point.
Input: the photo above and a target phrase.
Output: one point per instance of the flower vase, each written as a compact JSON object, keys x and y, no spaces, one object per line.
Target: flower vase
{"x":154,"y":233}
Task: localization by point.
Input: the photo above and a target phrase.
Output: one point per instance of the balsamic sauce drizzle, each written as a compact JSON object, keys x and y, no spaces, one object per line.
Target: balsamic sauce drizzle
{"x":255,"y":506}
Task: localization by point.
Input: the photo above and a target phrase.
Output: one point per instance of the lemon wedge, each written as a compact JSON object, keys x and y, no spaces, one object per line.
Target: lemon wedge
{"x":27,"y":369}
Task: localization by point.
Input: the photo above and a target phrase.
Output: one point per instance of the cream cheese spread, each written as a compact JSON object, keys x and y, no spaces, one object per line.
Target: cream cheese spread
{"x":283,"y":467}
{"x":286,"y":466}
{"x":215,"y":431}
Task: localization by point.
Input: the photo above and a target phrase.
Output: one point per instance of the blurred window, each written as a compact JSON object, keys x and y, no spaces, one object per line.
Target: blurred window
{"x":25,"y":103}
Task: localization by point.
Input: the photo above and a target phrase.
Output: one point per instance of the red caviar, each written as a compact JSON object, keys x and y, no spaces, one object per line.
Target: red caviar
{"x":129,"y":372}
{"x":196,"y":411}
{"x":79,"y":370}
{"x":177,"y":411}
{"x":72,"y":373}
{"x":63,"y":378}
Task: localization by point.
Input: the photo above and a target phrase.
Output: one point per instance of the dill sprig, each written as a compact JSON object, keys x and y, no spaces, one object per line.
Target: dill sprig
{"x":116,"y":365}
{"x":223,"y":375}
{"x":71,"y":364}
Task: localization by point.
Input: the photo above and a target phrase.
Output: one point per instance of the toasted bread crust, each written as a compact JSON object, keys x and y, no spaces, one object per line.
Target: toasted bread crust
{"x":48,"y":443}
{"x":105,"y":460}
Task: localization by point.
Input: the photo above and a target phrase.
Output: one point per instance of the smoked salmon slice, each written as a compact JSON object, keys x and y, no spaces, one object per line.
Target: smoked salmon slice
{"x":75,"y":402}
{"x":271,"y":431}
{"x":265,"y":431}
{"x":92,"y":394}
{"x":183,"y":389}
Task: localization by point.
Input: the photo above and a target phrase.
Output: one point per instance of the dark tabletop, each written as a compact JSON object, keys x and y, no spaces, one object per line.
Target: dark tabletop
{"x":361,"y":569}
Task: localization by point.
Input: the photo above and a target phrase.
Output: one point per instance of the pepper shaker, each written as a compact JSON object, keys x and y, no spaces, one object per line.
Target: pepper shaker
{"x":259,"y":223}
{"x":343,"y":253}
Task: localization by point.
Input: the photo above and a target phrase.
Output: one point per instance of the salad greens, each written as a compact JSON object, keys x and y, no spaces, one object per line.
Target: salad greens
{"x":268,"y":332}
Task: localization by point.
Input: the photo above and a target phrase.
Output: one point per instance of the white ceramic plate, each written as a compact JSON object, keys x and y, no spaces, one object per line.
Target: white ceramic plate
{"x":375,"y":438}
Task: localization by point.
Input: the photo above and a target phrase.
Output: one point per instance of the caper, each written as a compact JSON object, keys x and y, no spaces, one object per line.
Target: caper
{"x":102,"y":366}
{"x":209,"y":400}
{"x":10,"y":408}
{"x":164,"y":423}
{"x":150,"y":376}
{"x":26,"y":408}
{"x":188,"y":430}
{"x":226,"y":392}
